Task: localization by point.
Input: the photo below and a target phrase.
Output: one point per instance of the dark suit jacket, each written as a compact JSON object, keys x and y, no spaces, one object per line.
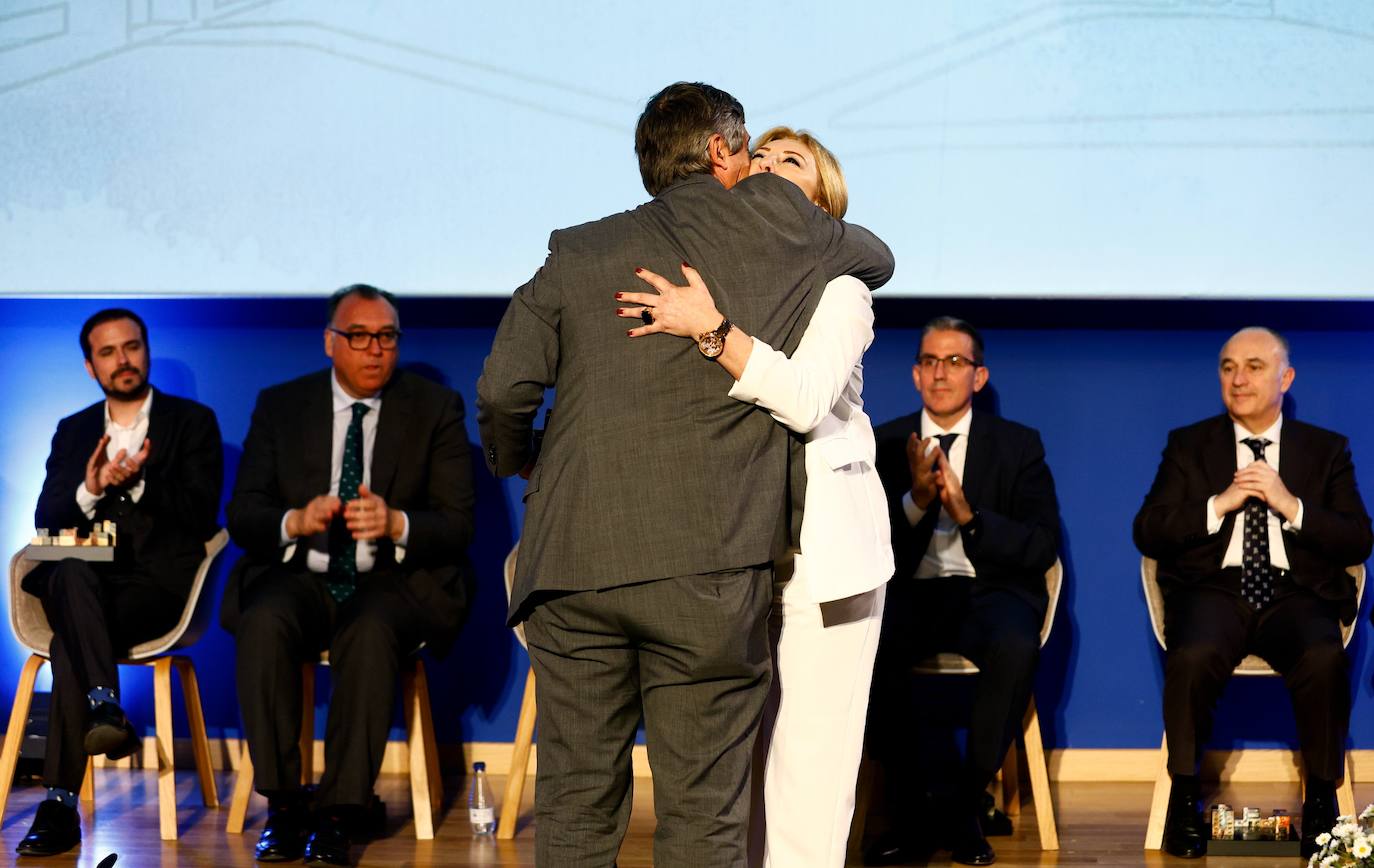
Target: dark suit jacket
{"x":1314,"y":464}
{"x":420,"y":464}
{"x":1007,"y":481}
{"x":161,"y":538}
{"x":648,"y":468}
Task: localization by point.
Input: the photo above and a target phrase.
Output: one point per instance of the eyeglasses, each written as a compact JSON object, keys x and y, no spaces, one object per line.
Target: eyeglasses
{"x":386,"y":339}
{"x":955,"y":362}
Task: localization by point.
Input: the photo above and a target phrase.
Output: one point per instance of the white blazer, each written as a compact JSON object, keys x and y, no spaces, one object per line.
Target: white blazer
{"x":846,"y":542}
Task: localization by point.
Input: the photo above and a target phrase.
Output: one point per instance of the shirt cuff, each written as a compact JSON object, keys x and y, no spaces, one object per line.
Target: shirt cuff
{"x":1213,"y":522}
{"x":404,"y":538}
{"x":284,"y":538}
{"x":914,"y":513}
{"x":1294,"y":526}
{"x":751,"y":379}
{"x":85,"y":500}
{"x":136,"y":492}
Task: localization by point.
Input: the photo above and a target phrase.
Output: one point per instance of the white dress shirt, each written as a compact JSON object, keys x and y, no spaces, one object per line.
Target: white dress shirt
{"x":1245,"y":456}
{"x":130,"y":439}
{"x":317,"y":554}
{"x":945,"y":555}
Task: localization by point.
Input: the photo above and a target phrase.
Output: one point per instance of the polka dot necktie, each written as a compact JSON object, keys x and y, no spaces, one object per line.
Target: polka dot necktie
{"x":343,"y":550}
{"x":1256,"y":573}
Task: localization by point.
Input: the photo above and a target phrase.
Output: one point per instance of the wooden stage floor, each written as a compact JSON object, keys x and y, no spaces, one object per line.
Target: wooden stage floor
{"x":1099,"y":824}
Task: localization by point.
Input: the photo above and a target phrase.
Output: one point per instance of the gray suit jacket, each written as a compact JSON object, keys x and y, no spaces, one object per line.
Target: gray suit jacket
{"x":648,"y":469}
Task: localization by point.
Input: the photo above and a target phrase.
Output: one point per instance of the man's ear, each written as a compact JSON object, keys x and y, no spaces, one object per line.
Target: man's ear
{"x":91,"y":370}
{"x":980,"y":378}
{"x":717,"y":150}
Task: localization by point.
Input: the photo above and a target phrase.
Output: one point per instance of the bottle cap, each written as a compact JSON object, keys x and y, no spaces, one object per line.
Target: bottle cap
{"x":479,"y":767}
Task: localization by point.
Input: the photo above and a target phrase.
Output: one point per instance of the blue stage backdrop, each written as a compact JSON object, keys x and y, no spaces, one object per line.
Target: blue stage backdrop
{"x":1102,"y":381}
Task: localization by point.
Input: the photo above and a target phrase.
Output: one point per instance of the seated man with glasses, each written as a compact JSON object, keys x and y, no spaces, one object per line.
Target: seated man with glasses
{"x":353,"y":506}
{"x":975,"y":526}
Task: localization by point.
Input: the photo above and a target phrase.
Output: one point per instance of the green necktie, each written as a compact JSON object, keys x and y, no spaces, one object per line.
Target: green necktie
{"x":343,"y":550}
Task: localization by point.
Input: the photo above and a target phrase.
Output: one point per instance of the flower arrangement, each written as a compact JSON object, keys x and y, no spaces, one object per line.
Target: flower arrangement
{"x":1349,"y":845}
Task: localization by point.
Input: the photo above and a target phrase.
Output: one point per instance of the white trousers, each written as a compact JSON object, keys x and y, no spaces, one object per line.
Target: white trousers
{"x":823,"y":668}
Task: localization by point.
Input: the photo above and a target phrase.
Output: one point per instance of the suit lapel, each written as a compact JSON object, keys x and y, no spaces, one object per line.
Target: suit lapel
{"x":1220,"y":461}
{"x":159,"y":429}
{"x":976,"y":459}
{"x":1295,"y":465}
{"x":317,"y":436}
{"x":387,"y":448}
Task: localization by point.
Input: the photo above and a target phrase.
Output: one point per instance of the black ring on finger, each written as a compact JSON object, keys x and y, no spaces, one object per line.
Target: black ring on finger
{"x":647,"y":316}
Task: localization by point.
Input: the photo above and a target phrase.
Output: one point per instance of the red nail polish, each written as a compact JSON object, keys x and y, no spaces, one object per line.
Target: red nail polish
{"x":639,"y":271}
{"x":620,"y":311}
{"x":630,"y":333}
{"x":619,"y":295}
{"x":685,"y":265}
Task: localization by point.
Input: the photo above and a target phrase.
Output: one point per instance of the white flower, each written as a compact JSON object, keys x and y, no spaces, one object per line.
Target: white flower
{"x":1329,"y":861}
{"x":1367,"y":813}
{"x":1323,"y":838}
{"x":1362,"y":849}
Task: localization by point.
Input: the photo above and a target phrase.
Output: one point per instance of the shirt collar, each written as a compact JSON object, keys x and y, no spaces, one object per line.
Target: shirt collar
{"x":929,"y":427}
{"x":345,"y":401}
{"x":142,"y":411}
{"x":1271,"y":433}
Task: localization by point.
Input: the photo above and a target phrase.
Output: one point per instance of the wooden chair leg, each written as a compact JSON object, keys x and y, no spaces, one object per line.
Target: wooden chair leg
{"x":195,"y":718}
{"x":14,"y":733}
{"x":431,"y":743}
{"x":519,"y":763}
{"x":307,"y":742}
{"x":411,"y":685}
{"x":1159,"y":802}
{"x":243,"y":791}
{"x":1011,"y":782}
{"x":166,"y":765}
{"x":1040,"y":780}
{"x":1345,"y":793}
{"x":88,"y":783}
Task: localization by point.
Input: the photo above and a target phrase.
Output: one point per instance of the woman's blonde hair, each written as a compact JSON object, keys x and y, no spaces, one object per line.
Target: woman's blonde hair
{"x":831,"y":192}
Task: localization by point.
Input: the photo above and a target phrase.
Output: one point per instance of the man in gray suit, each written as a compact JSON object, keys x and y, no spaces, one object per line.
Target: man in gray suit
{"x":657,"y":502}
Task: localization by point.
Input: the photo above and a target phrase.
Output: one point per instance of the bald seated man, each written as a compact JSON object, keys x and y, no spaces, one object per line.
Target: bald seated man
{"x":1253,"y":519}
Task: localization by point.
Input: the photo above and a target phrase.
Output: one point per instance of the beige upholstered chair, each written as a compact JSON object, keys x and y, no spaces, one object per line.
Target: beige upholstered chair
{"x":426,"y":782}
{"x":1251,"y":665}
{"x":30,"y":626}
{"x":956,"y":664}
{"x":524,"y":730}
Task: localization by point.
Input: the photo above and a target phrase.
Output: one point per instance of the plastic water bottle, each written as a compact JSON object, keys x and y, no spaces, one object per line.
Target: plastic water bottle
{"x":481,"y":813}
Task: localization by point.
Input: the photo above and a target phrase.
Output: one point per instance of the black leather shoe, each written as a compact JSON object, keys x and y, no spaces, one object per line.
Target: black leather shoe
{"x":56,"y":829}
{"x":967,"y":845}
{"x":283,"y":836}
{"x":995,"y":823}
{"x":109,"y":732}
{"x":331,"y":842}
{"x":1184,"y":834}
{"x":891,"y":848}
{"x":1318,"y":814}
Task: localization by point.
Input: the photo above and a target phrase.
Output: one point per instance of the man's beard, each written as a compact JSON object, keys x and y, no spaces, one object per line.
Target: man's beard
{"x":132,"y":394}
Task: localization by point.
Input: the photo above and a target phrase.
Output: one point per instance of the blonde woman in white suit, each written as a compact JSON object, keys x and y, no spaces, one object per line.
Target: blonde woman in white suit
{"x":828,"y":614}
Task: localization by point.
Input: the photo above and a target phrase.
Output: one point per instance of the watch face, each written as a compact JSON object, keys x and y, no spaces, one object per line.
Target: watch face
{"x":711,"y":345}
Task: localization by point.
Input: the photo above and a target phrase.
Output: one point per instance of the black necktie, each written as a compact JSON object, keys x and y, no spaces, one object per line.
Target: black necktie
{"x":1256,"y":573}
{"x":946,"y":441}
{"x":343,"y":550}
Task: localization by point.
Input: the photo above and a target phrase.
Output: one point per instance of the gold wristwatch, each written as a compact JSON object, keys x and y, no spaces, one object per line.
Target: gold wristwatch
{"x":712,"y":343}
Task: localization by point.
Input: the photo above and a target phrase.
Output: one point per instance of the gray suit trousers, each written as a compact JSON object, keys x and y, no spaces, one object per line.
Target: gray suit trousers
{"x":689,"y":654}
